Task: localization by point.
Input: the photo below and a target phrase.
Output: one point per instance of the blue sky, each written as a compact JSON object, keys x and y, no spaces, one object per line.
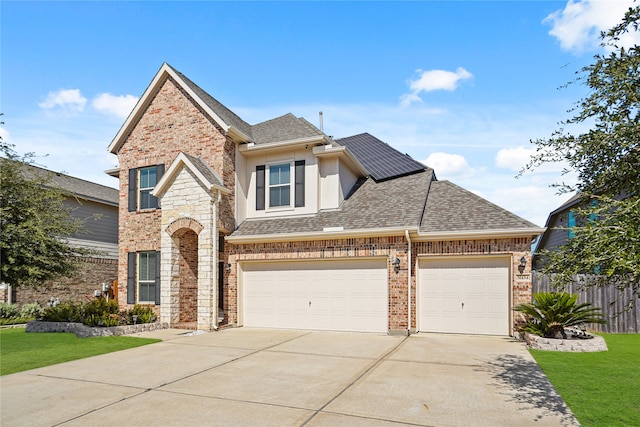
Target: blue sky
{"x":462,"y":86}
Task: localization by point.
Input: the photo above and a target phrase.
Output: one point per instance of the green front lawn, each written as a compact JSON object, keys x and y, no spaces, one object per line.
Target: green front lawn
{"x":601,"y":389}
{"x":20,"y":351}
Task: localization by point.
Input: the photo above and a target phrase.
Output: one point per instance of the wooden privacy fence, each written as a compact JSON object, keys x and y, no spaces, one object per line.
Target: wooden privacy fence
{"x":621,"y":308}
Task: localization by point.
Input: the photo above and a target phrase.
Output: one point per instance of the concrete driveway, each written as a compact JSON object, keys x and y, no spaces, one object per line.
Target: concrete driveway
{"x":263,"y":377}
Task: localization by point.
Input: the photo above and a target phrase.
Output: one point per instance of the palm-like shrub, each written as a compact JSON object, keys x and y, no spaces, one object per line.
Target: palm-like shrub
{"x":551,"y":312}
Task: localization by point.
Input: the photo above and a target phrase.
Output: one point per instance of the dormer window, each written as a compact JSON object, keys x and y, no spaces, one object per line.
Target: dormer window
{"x":280,"y":185}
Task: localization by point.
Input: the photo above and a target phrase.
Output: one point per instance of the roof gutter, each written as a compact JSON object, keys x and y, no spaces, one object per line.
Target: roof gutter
{"x":330,"y":233}
{"x":479,"y":234}
{"x":252,"y":147}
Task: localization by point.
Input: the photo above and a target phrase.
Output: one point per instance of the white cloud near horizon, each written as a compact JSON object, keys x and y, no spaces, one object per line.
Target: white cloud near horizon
{"x":432,"y":80}
{"x":449,"y":166}
{"x":578,"y":26}
{"x":116,"y":105}
{"x":65,"y":101}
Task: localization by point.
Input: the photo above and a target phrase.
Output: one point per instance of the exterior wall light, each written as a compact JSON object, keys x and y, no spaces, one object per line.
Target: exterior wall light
{"x":396,"y":265}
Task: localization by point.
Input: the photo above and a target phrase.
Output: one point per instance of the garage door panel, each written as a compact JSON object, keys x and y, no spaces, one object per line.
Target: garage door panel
{"x":325,"y":295}
{"x":464,"y":295}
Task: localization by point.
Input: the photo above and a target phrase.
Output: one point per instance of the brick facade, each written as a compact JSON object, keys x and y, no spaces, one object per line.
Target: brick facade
{"x":390,"y":247}
{"x":173,"y":122}
{"x":192,"y":218}
{"x":79,"y":286}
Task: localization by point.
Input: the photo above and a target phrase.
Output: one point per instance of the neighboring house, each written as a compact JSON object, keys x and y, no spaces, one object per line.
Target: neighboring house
{"x":620,"y":307}
{"x":558,"y":229}
{"x":277,"y":224}
{"x":97,"y":205}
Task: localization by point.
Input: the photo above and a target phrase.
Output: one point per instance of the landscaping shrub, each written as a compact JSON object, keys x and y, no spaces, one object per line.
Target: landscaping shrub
{"x":32,"y":310}
{"x":8,"y":311}
{"x":98,"y":312}
{"x":551,"y":312}
{"x":144,"y":314}
{"x":66,"y":311}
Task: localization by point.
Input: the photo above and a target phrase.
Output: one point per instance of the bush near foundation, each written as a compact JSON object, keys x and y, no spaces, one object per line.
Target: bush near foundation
{"x":98,"y":312}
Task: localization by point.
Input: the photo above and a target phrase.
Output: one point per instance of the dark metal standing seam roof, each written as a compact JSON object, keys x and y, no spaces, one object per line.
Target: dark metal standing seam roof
{"x":380,"y":159}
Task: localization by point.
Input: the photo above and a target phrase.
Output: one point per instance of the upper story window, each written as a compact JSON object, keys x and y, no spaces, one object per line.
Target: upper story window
{"x":282,"y":183}
{"x":279,"y":185}
{"x":146,"y":181}
{"x":141,"y":183}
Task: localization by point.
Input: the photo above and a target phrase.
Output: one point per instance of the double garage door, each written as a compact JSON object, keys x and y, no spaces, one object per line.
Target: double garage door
{"x":344,"y":295}
{"x":464,"y":295}
{"x":454,"y":295}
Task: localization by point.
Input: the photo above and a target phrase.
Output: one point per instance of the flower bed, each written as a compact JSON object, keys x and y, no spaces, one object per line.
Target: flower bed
{"x":84,"y":331}
{"x":576,"y":345}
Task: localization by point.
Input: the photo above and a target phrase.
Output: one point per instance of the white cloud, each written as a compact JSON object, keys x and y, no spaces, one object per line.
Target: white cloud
{"x":514,"y":158}
{"x":578,"y":26}
{"x":432,"y":80}
{"x":66,"y":101}
{"x":448,"y":166}
{"x":119,"y":106}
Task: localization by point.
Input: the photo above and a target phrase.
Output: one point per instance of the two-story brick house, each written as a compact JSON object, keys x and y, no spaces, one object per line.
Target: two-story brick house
{"x":279,"y":225}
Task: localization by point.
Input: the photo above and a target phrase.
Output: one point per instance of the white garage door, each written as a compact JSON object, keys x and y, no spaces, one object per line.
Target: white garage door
{"x":348,"y":295}
{"x":464,"y":295}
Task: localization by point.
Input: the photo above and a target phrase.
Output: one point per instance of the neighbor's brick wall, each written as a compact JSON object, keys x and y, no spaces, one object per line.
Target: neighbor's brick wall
{"x":172,"y":123}
{"x":91,"y":274}
{"x":391,"y":247}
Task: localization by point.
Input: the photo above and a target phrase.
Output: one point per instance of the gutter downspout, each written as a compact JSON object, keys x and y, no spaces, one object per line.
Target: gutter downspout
{"x":406,"y":233}
{"x":214,"y":260}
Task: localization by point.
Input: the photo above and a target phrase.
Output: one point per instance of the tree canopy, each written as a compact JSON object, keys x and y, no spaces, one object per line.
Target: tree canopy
{"x":606,"y":159}
{"x":34,"y":223}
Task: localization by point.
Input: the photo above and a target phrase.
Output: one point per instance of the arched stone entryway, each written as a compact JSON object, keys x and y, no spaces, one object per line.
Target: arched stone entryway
{"x":186,"y":241}
{"x":189,"y":193}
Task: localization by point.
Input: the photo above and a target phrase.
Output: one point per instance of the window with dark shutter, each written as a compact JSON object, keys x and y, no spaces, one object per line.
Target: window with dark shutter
{"x":260,"y":187}
{"x":131,"y":278}
{"x":299,"y":189}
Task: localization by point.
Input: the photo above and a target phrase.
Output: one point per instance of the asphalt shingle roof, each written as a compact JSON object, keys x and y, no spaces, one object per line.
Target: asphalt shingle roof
{"x":228,"y":116}
{"x":205,"y":170}
{"x":392,"y":203}
{"x":75,"y":186}
{"x":451,"y":208}
{"x":283,"y":128}
{"x":380,"y":159}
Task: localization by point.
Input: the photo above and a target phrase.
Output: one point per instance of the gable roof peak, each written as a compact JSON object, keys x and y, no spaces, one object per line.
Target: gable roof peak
{"x":224,"y":117}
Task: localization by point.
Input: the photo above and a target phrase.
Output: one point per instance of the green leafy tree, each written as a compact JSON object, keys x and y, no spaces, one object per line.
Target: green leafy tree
{"x":606,"y":159}
{"x":34,"y":223}
{"x":551,"y":312}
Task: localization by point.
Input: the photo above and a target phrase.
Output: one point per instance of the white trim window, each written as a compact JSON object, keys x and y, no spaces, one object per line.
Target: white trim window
{"x":147,"y":277}
{"x":148,"y":178}
{"x":280,"y":185}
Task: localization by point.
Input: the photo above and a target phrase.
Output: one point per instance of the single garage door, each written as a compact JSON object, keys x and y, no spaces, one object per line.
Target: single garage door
{"x":464,"y":295}
{"x":349,"y":295}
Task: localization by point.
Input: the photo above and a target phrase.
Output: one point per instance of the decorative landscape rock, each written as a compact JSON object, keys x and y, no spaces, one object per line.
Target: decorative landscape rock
{"x":83,"y":331}
{"x":570,"y":345}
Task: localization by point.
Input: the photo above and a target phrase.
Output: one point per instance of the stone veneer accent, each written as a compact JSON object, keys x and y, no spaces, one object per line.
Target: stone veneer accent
{"x":84,"y":331}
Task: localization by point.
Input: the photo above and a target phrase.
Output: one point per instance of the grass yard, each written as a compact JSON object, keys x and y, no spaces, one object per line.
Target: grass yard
{"x":20,"y":351}
{"x":602,"y":389}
